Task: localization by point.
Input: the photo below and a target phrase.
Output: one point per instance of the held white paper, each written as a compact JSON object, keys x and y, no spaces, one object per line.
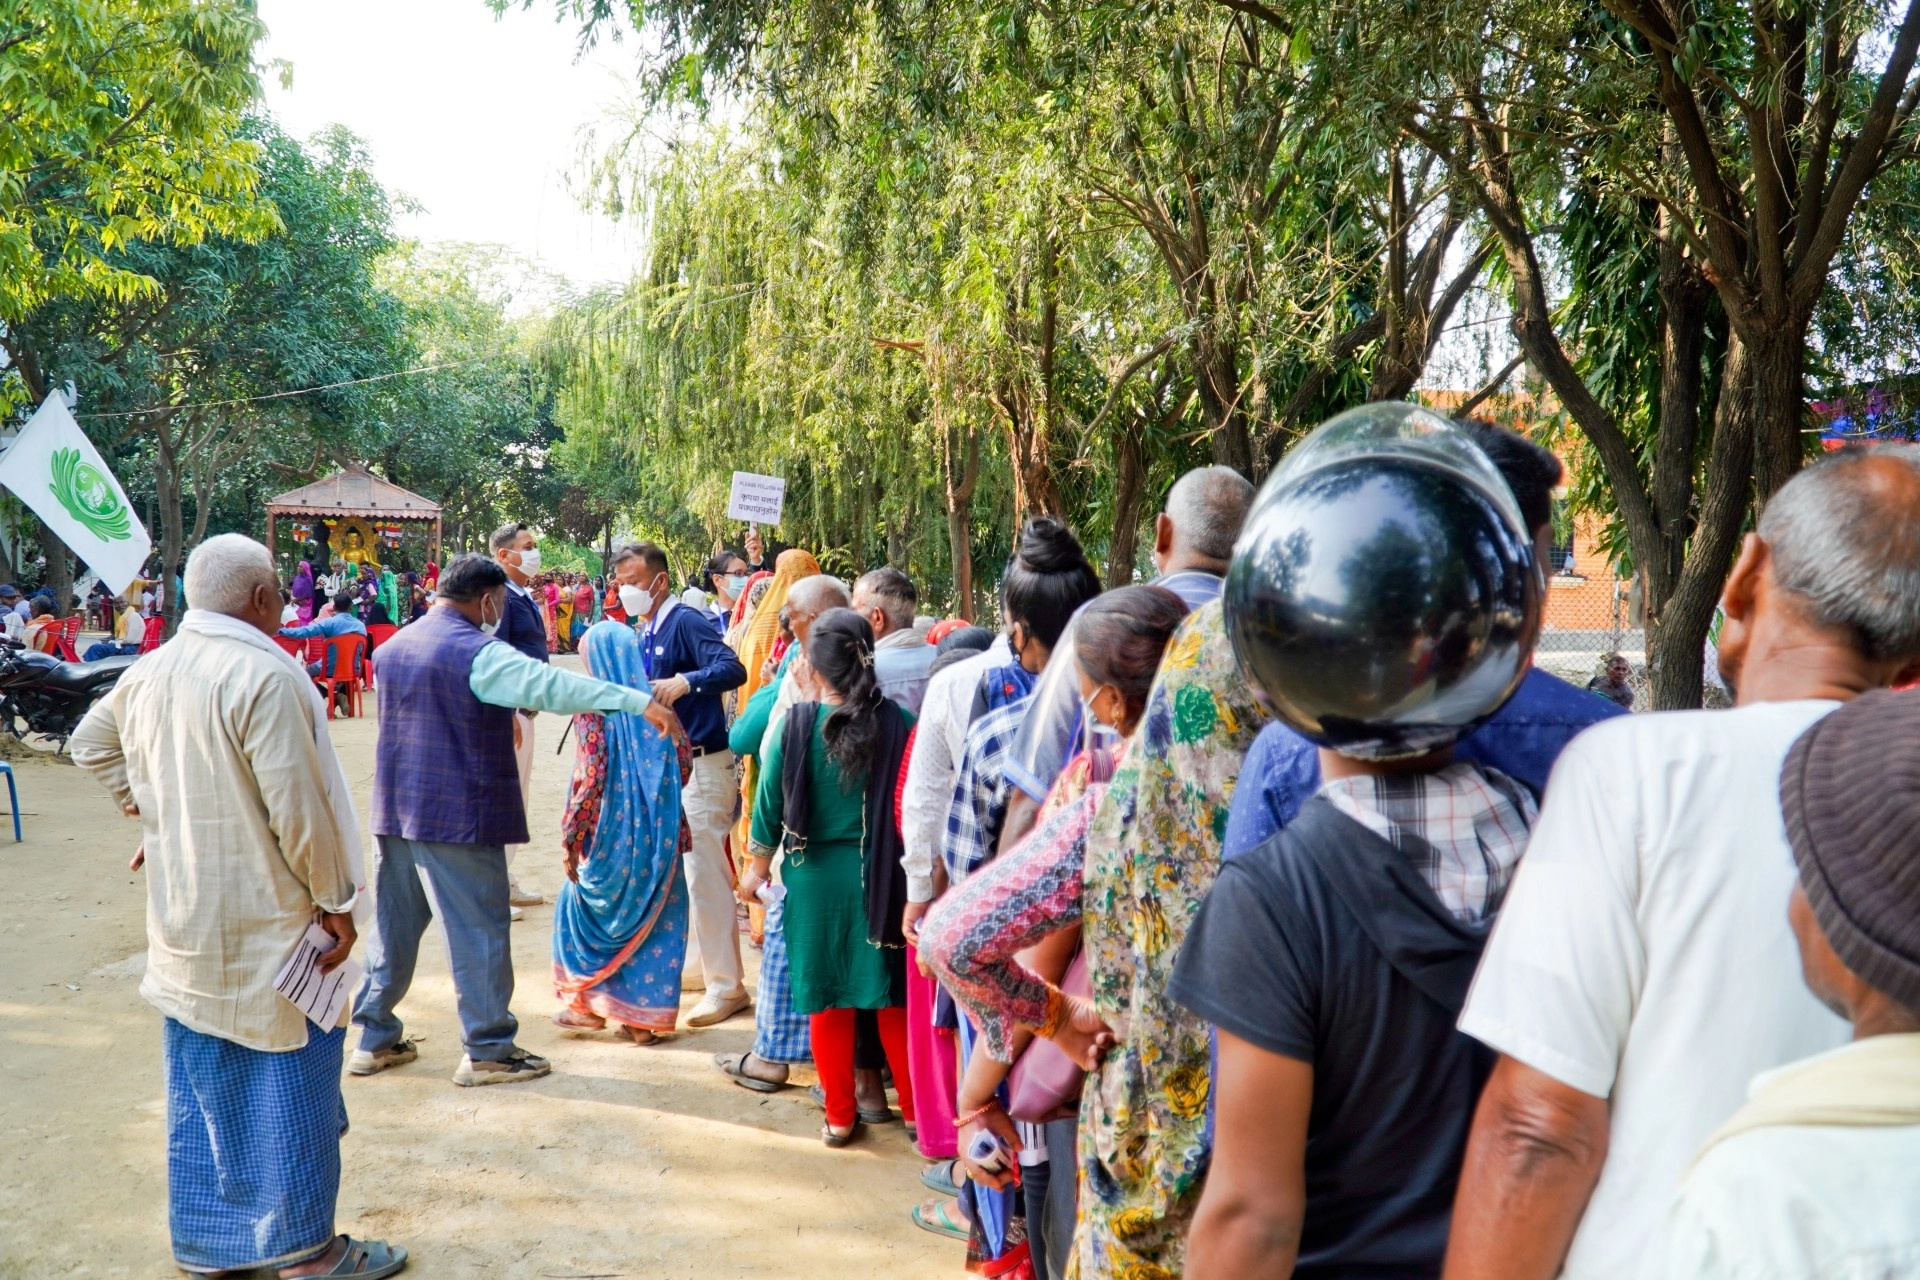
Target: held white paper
{"x":756,"y":498}
{"x":321,"y":996}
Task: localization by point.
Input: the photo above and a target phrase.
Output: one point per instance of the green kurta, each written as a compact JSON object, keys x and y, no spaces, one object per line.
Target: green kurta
{"x":832,"y":965}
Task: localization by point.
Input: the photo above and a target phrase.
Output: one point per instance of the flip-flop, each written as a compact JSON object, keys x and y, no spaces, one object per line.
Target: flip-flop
{"x":935,"y":1216}
{"x":377,"y":1256}
{"x":942,"y":1176}
{"x":733,"y":1065}
{"x":818,"y":1096}
{"x":832,"y":1139}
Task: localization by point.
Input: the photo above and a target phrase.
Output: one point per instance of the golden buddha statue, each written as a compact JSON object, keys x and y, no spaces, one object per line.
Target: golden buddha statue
{"x":355,"y":550}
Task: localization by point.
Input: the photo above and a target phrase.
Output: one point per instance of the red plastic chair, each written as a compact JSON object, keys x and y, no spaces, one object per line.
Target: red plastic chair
{"x":152,"y":638}
{"x":378,"y":633}
{"x":291,"y":645}
{"x":345,"y":656}
{"x":63,"y":642}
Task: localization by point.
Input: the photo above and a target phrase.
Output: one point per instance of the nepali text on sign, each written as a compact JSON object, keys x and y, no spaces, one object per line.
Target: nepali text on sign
{"x":756,"y":498}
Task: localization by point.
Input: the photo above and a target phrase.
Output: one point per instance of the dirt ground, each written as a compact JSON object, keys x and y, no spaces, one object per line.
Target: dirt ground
{"x":624,"y":1162}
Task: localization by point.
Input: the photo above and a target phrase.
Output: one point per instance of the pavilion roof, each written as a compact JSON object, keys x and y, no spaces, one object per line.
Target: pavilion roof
{"x":354,"y":492}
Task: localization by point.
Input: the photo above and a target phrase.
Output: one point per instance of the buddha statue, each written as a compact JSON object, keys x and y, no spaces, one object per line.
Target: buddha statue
{"x":355,"y":551}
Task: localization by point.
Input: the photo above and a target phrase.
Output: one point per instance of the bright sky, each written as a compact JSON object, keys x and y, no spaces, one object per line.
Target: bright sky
{"x":475,"y":118}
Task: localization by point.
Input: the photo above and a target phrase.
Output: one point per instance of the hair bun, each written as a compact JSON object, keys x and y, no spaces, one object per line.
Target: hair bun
{"x":1048,"y":546}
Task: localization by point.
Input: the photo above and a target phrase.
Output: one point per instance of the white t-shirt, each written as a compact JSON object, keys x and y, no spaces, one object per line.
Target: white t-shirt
{"x":1643,"y":953}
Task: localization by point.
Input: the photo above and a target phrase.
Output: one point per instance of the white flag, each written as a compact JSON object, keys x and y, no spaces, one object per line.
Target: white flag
{"x":54,"y":469}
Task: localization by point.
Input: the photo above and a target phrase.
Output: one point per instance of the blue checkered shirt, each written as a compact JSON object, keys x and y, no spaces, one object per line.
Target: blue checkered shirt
{"x":980,"y":790}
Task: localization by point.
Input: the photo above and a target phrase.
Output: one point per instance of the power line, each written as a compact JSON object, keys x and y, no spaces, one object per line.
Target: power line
{"x":305,"y":391}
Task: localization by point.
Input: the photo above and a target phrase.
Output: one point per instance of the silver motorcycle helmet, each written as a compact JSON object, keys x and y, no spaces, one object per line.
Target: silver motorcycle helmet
{"x":1384,"y":597}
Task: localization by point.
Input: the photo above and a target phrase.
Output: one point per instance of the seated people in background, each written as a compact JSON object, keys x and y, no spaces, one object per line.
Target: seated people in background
{"x":43,"y":629}
{"x":129,"y":629}
{"x":1522,"y":739}
{"x":1819,"y":1173}
{"x":1642,"y":972}
{"x":341,"y":622}
{"x":1334,"y":958}
{"x":289,"y":611}
{"x":1615,"y":684}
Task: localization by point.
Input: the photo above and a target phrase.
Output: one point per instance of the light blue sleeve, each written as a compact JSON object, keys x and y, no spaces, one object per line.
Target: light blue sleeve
{"x":502,"y":676}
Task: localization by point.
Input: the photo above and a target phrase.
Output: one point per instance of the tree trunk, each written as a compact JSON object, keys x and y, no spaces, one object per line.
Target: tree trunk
{"x":1034,"y":490}
{"x":1779,"y":405}
{"x":1129,"y":488}
{"x":960,"y":460}
{"x":167,"y":482}
{"x":1216,"y":376}
{"x":1676,"y":635}
{"x":59,"y":570}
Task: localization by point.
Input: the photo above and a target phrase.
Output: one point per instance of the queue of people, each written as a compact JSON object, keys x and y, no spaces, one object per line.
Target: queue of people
{"x":1274,"y":917}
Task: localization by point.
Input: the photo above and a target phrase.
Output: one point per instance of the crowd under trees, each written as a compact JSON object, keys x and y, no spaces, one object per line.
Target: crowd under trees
{"x":944,"y":266}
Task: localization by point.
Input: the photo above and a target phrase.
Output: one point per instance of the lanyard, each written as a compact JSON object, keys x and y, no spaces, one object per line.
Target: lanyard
{"x":646,"y":651}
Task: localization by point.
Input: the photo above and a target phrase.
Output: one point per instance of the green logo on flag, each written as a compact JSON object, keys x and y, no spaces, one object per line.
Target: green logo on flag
{"x":89,"y":497}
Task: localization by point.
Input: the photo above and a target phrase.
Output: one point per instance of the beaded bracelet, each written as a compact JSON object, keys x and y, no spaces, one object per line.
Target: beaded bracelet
{"x":962,"y":1121}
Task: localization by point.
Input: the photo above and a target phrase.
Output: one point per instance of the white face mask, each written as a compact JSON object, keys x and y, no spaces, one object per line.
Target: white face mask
{"x":635,"y":601}
{"x":530,"y":562}
{"x":488,"y":627}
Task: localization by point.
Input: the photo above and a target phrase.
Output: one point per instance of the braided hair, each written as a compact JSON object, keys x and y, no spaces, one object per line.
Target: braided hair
{"x":840,"y":647}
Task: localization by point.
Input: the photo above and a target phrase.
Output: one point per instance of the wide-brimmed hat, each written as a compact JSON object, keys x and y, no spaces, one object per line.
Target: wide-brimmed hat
{"x":1850,"y":792}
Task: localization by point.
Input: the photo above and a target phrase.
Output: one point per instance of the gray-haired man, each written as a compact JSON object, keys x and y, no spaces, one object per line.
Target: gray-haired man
{"x":886,"y":598}
{"x":1642,"y":972}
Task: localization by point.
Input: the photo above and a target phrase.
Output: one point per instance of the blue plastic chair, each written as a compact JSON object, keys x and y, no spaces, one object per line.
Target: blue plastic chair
{"x":13,"y":799}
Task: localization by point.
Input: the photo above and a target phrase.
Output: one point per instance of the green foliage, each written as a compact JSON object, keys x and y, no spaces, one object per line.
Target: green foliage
{"x":120,"y":123}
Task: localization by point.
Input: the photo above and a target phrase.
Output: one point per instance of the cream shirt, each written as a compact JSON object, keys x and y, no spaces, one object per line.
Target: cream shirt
{"x":1800,"y":1201}
{"x":213,"y":740}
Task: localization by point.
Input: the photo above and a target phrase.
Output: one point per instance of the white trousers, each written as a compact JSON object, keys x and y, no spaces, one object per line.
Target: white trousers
{"x":713,"y":933}
{"x":523,"y":759}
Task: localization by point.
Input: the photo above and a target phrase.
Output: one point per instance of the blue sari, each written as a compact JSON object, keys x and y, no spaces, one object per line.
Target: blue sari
{"x":620,"y":930}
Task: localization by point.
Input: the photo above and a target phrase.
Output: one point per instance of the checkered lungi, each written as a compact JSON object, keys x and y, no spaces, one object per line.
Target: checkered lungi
{"x":253,"y":1149}
{"x":780,"y":1034}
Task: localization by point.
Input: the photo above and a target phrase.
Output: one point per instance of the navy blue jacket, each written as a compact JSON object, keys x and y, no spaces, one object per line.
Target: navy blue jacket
{"x":443,"y":767}
{"x":524,"y":627}
{"x":684,"y":643}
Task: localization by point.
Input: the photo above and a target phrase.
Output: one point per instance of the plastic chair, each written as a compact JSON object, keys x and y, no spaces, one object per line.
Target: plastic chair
{"x":291,"y":645}
{"x":378,"y":633}
{"x":13,"y":798}
{"x":345,"y":657}
{"x":152,"y":638}
{"x":63,"y":642}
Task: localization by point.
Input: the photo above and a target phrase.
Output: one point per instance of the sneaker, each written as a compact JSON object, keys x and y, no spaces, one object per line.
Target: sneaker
{"x":523,"y":897}
{"x":515,"y":1067}
{"x":515,"y":915}
{"x":713,"y":1010}
{"x":365,"y":1062}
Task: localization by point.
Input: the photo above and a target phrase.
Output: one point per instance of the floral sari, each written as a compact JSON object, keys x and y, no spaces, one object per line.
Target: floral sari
{"x":620,"y":931}
{"x":1152,"y":853}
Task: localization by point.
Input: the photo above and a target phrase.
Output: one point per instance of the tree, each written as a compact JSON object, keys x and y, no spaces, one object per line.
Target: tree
{"x":225,"y":319}
{"x":120,"y":123}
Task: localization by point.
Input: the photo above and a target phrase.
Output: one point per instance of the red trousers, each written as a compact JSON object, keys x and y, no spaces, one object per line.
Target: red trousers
{"x":832,"y":1033}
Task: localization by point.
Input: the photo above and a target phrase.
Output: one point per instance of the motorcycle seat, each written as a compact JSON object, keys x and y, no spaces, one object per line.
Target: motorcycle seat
{"x":79,"y":677}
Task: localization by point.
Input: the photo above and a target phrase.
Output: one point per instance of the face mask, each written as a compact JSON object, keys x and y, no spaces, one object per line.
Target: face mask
{"x":530,"y":562}
{"x":635,"y":601}
{"x":488,"y":627}
{"x":736,"y":583}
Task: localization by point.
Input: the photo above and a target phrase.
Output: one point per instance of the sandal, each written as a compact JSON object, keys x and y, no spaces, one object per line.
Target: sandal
{"x":938,"y":1216}
{"x":832,"y":1139}
{"x":644,"y":1035}
{"x":734,"y":1065}
{"x":574,"y":1020}
{"x":377,"y":1257}
{"x":818,"y":1096}
{"x":942,"y":1176}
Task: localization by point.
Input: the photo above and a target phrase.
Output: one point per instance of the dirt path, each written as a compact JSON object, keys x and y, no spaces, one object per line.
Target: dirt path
{"x":624,"y":1162}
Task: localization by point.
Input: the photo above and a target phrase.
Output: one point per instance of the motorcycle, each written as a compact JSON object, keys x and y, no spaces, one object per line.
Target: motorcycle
{"x":41,"y":694}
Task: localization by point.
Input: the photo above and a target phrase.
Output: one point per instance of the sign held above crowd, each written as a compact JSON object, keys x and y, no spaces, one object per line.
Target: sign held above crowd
{"x":756,"y":498}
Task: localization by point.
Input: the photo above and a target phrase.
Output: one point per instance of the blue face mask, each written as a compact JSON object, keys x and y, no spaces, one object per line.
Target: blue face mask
{"x":736,"y":583}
